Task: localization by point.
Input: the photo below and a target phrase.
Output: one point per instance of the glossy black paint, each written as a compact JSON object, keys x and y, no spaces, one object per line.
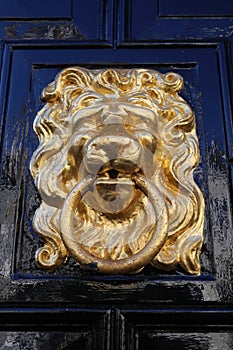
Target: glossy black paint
{"x":71,"y":308}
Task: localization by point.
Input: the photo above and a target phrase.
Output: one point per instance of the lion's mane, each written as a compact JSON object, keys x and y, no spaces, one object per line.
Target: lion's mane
{"x":177,"y":153}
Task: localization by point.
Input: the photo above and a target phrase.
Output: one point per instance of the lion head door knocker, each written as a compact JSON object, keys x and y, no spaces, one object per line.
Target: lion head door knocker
{"x":114,"y":169}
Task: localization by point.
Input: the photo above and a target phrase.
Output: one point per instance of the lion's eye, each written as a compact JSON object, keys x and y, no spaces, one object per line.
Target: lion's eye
{"x":135,"y":123}
{"x":88,"y":101}
{"x":85,"y":124}
{"x":141,"y":100}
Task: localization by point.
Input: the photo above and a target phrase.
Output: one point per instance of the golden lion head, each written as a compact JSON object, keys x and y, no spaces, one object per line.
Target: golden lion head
{"x":114,"y":169}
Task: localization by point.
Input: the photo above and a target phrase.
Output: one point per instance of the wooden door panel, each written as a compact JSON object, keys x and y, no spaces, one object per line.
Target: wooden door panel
{"x":46,"y":340}
{"x":70,"y":307}
{"x":158,"y":20}
{"x":15,"y":9}
{"x":182,"y":329}
{"x":32,"y":67}
{"x":57,"y":20}
{"x":208,"y":8}
{"x":54,"y":329}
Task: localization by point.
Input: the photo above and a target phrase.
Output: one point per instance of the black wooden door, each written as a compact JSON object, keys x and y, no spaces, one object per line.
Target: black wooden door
{"x":71,"y":308}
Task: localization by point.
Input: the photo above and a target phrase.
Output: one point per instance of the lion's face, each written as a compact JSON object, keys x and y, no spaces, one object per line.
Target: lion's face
{"x":114,"y":170}
{"x":112,"y":146}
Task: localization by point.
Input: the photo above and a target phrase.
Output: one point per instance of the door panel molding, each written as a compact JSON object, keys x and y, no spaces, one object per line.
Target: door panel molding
{"x":36,"y":65}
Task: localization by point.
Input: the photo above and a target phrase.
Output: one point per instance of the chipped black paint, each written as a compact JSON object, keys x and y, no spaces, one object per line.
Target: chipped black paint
{"x":91,"y":267}
{"x":49,"y":31}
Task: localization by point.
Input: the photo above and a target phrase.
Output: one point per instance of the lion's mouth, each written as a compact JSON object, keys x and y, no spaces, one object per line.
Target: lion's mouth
{"x":113,"y":188}
{"x":114,"y":178}
{"x":118,"y":168}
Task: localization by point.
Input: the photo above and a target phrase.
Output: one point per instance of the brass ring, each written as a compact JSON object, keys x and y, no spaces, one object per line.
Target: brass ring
{"x":122,"y":266}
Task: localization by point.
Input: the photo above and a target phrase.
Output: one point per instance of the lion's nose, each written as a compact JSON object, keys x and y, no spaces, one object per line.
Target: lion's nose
{"x":111,"y":119}
{"x":105,"y":148}
{"x":114,"y":146}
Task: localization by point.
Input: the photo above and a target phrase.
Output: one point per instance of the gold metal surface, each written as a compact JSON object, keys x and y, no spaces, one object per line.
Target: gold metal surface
{"x":114,"y":169}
